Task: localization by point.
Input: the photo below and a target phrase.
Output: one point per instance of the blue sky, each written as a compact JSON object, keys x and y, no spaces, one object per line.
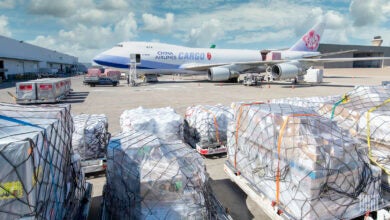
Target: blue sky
{"x":84,"y":28}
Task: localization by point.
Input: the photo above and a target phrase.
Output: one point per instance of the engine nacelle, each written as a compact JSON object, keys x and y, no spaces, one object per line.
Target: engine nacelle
{"x":221,"y":74}
{"x":286,"y":70}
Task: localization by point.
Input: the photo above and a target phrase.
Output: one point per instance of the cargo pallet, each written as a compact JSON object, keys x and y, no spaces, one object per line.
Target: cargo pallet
{"x":84,"y":210}
{"x":275,"y":212}
{"x":94,"y":165}
{"x":221,"y":212}
{"x":42,"y":91}
{"x":210,"y":150}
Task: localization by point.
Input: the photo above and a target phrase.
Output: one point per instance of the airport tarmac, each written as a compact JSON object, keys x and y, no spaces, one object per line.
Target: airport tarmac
{"x":181,"y":92}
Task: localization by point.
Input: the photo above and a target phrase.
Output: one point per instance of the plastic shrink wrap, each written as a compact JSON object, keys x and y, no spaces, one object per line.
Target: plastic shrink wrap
{"x":37,"y":176}
{"x":90,"y":136}
{"x":314,"y":103}
{"x":303,"y":162}
{"x":365,"y":113}
{"x":165,"y":123}
{"x":207,"y":125}
{"x":148,"y":178}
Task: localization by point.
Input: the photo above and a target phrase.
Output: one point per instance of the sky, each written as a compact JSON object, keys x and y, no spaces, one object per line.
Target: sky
{"x":84,"y":28}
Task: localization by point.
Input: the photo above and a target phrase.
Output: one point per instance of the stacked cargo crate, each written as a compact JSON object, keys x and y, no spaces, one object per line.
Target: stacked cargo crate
{"x":153,"y":174}
{"x":303,"y":162}
{"x":149,"y":178}
{"x":38,"y":179}
{"x":165,"y":123}
{"x":90,"y":139}
{"x":205,"y":128}
{"x":364,"y":113}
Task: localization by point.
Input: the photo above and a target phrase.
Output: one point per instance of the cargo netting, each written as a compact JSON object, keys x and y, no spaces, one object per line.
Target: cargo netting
{"x":365,"y":113}
{"x":39,"y":177}
{"x":206,"y":125}
{"x":148,"y":178}
{"x":303,"y":162}
{"x":165,"y":123}
{"x":90,"y":136}
{"x":314,"y":103}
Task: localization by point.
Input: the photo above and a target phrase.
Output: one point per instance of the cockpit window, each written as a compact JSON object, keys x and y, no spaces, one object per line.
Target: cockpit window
{"x":119,"y":45}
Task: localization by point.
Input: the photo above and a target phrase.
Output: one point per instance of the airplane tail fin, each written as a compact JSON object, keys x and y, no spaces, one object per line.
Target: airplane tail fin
{"x":311,"y":40}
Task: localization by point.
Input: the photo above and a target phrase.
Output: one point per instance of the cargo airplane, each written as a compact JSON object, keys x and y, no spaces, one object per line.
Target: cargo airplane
{"x":224,"y":64}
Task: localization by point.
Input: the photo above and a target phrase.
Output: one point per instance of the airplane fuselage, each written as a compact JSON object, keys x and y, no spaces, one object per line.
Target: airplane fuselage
{"x":166,"y":58}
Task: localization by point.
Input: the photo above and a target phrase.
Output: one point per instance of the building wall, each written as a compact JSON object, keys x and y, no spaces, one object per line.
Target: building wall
{"x":361,"y":52}
{"x":30,"y":66}
{"x":22,"y":57}
{"x":14,"y":66}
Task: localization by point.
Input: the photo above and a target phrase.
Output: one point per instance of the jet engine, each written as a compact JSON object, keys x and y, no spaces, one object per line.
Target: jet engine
{"x":221,"y":74}
{"x":286,"y":70}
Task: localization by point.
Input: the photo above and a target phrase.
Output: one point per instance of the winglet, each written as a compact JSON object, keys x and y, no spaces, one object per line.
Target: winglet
{"x":311,"y":40}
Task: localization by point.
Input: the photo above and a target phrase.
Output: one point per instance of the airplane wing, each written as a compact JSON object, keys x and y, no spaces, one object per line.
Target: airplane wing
{"x":200,"y":67}
{"x":204,"y":67}
{"x":336,"y":60}
{"x":246,"y":65}
{"x":330,"y":54}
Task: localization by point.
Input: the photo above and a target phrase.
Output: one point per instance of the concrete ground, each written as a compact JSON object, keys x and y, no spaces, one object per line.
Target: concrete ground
{"x":181,"y":92}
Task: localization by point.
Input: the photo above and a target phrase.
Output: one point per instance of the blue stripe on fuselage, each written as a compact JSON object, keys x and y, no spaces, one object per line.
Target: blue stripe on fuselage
{"x":122,"y":62}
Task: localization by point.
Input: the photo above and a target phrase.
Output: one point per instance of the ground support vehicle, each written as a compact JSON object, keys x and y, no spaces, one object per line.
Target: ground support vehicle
{"x":95,"y":80}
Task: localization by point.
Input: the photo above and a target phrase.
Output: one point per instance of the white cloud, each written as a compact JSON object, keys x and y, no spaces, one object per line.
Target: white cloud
{"x":53,"y":8}
{"x":206,"y":34}
{"x":4,"y":26}
{"x":91,"y":16}
{"x":94,"y":25}
{"x":86,"y":41}
{"x":368,"y":12}
{"x":190,"y":4}
{"x":126,"y":28}
{"x":261,"y":37}
{"x":7,"y":4}
{"x":59,"y":8}
{"x":335,"y":20}
{"x":158,"y":25}
{"x":113,"y":4}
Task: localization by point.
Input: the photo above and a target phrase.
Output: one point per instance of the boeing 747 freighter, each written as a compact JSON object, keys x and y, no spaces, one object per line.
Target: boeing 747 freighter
{"x":224,"y":64}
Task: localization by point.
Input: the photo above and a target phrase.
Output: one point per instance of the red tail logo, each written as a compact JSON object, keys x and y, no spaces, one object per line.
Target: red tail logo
{"x":312,"y":40}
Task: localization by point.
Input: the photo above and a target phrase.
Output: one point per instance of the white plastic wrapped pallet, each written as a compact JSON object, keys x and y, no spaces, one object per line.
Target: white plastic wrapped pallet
{"x":365,"y":113}
{"x":148,"y":178}
{"x":90,"y":136}
{"x":206,"y":125}
{"x":37,"y":178}
{"x":165,"y":123}
{"x":302,"y":161}
{"x":314,"y":103}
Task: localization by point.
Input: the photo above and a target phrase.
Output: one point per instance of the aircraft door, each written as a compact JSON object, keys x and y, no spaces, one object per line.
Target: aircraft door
{"x":135,"y":57}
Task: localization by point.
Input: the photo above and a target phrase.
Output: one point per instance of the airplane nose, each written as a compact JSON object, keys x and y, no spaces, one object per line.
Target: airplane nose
{"x":111,"y":60}
{"x":98,"y":59}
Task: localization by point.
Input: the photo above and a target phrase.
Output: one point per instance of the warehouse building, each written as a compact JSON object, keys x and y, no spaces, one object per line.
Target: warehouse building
{"x":18,"y":57}
{"x":375,"y":50}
